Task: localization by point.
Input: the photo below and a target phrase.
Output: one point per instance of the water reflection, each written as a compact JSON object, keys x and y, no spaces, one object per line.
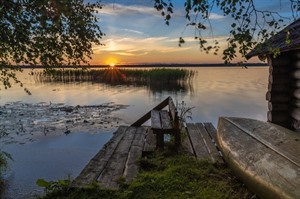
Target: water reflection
{"x":214,"y":92}
{"x":155,"y":80}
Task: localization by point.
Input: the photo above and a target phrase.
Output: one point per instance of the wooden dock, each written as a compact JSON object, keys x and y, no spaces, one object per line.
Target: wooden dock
{"x":200,"y":141}
{"x":118,"y":159}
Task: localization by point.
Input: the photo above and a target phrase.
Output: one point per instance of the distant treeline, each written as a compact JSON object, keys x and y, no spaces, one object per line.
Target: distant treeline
{"x":158,"y":65}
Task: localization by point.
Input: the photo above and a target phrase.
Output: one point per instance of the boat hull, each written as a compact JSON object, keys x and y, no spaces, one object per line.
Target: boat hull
{"x":264,"y":155}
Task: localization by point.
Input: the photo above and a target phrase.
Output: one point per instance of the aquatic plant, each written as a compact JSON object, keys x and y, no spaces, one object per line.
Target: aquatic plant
{"x":156,"y":79}
{"x":163,"y":74}
{"x":185,"y":112}
{"x":4,"y":157}
{"x":59,"y":185}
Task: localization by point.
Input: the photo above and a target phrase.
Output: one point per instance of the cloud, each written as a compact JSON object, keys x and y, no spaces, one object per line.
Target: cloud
{"x":134,"y":31}
{"x":215,"y":16}
{"x":119,"y":9}
{"x":130,"y":54}
{"x":208,"y":39}
{"x":131,"y":46}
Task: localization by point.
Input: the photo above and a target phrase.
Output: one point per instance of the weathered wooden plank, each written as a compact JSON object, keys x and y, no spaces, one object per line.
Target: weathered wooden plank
{"x":165,"y":120}
{"x":172,"y":109}
{"x":150,"y":142}
{"x":155,"y":120}
{"x":147,"y":116}
{"x":131,"y":166}
{"x":197,"y":141}
{"x":212,"y":131}
{"x":211,"y":147}
{"x":115,"y":167}
{"x":97,"y":164}
{"x":186,"y":143}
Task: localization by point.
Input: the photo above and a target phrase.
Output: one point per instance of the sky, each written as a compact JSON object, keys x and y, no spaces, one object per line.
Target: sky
{"x":135,"y":33}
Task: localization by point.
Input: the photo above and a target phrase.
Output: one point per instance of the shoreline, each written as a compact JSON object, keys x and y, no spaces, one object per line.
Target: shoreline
{"x":158,"y":65}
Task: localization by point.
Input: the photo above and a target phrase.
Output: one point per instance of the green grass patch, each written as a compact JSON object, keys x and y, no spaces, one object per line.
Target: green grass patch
{"x":169,"y":175}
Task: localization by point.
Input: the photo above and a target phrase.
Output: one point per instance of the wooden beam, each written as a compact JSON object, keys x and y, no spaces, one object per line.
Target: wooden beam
{"x":172,"y":109}
{"x":150,"y":142}
{"x":197,"y":141}
{"x":165,"y":120}
{"x":97,"y":164}
{"x":186,"y":143}
{"x":131,"y":166}
{"x":155,"y":120}
{"x":147,"y":116}
{"x":116,"y":164}
{"x":211,"y":148}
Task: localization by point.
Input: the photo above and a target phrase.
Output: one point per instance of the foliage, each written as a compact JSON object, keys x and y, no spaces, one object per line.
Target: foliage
{"x":169,"y":175}
{"x":4,"y":156}
{"x":184,"y":111}
{"x":45,"y":32}
{"x":250,"y":25}
{"x":59,"y":185}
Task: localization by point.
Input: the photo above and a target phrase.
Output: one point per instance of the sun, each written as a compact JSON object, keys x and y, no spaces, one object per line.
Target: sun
{"x":112,"y":64}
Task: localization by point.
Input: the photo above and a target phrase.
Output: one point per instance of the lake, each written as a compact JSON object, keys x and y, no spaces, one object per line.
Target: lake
{"x":213,"y":92}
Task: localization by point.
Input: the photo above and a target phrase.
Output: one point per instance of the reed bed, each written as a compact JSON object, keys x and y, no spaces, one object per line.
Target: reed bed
{"x":156,"y":79}
{"x":160,"y":74}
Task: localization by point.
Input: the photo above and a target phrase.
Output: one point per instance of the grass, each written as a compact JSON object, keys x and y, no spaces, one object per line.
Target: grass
{"x":156,"y":79}
{"x":125,"y":75}
{"x":169,"y":175}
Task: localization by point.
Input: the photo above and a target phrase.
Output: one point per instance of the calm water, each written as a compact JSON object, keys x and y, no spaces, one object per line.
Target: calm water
{"x":213,"y":92}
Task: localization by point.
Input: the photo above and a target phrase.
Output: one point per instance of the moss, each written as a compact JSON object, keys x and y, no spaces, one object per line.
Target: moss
{"x":168,"y":175}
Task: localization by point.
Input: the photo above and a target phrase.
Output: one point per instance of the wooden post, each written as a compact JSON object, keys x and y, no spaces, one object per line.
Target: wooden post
{"x":173,"y":110}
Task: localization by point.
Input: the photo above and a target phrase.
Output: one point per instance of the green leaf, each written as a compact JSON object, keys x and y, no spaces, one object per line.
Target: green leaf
{"x":42,"y":183}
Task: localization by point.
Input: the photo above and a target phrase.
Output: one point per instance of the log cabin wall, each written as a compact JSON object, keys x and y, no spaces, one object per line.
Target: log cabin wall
{"x":283,"y":94}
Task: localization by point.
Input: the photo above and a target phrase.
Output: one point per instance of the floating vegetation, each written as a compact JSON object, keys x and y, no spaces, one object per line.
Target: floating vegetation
{"x":157,"y":79}
{"x":25,"y":122}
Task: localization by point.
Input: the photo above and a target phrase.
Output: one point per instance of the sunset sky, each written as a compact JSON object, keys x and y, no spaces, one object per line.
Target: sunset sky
{"x":137,"y":34}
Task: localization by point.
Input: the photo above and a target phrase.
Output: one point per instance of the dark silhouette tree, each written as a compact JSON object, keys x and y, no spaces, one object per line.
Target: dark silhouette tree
{"x":250,"y":26}
{"x":45,"y":32}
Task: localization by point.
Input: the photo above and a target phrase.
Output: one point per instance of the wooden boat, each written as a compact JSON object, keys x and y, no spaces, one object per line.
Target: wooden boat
{"x":264,"y":155}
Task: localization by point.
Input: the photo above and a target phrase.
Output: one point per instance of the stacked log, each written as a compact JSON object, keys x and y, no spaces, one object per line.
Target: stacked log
{"x":283,"y":94}
{"x":295,"y":92}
